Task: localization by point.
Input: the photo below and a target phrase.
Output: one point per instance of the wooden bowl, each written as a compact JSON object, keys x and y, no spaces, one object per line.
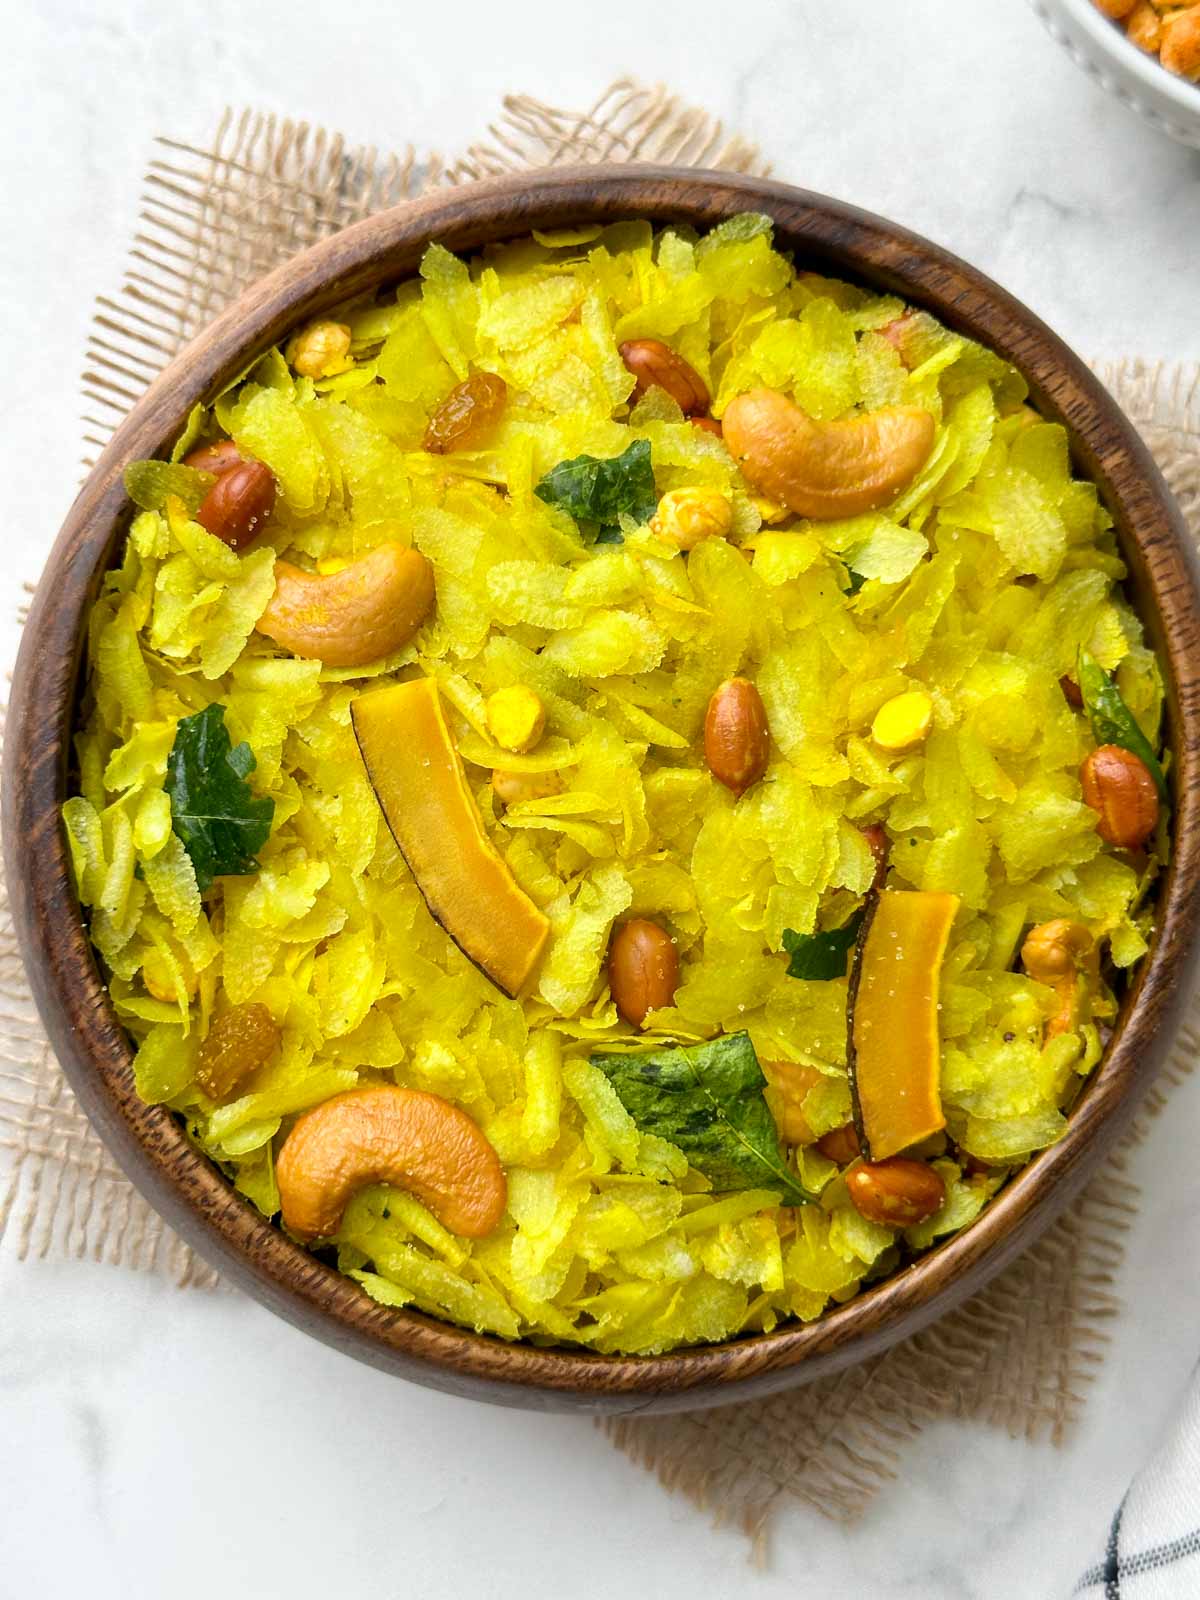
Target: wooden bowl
{"x":91,"y":1044}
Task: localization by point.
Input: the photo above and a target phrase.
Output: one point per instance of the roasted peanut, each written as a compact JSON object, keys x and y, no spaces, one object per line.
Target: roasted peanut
{"x":903,"y":722}
{"x":1180,"y":50}
{"x":708,"y":425}
{"x":1118,"y":787}
{"x":896,"y":1193}
{"x":1143,"y":27}
{"x":1053,"y":954}
{"x":237,"y":505}
{"x":467,"y":414}
{"x":840,"y":1144}
{"x":320,"y":350}
{"x":357,"y":615}
{"x":216,"y":458}
{"x":239,"y":1041}
{"x":788,"y":1083}
{"x":685,"y":516}
{"x":1072,"y":693}
{"x":516,"y":718}
{"x":406,"y":1137}
{"x":512,"y":787}
{"x":826,"y":469}
{"x":654,"y":363}
{"x":737,"y":740}
{"x":643,"y":969}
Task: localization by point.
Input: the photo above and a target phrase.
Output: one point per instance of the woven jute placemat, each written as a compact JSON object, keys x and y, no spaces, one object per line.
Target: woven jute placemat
{"x":1020,"y":1354}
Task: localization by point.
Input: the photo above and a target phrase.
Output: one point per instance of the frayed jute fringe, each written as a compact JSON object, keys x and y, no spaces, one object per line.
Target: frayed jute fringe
{"x":1020,"y":1354}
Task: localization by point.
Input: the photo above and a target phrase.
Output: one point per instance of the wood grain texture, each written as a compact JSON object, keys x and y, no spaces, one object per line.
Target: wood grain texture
{"x":94,"y":1051}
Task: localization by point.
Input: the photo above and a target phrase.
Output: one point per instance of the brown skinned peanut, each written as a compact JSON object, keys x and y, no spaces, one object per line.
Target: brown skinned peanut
{"x":643,"y":969}
{"x":405,"y":1137}
{"x":737,"y":740}
{"x":840,"y":1144}
{"x":216,"y":458}
{"x":1118,"y":787}
{"x":654,"y":363}
{"x":238,"y":504}
{"x":897,"y":1193}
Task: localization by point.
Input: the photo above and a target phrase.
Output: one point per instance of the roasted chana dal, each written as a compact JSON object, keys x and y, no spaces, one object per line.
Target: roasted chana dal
{"x":618,"y":786}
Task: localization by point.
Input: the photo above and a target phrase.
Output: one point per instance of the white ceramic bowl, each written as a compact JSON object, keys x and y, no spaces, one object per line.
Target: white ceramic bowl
{"x":1169,"y":103}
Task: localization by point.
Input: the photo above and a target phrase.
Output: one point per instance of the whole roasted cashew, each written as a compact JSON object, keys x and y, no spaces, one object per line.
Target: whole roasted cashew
{"x":826,"y":469}
{"x":359,"y":614}
{"x":1054,"y":954}
{"x":406,"y":1137}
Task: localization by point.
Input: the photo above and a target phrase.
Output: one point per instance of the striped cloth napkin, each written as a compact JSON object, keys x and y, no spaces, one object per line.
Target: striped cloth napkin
{"x":1152,"y":1548}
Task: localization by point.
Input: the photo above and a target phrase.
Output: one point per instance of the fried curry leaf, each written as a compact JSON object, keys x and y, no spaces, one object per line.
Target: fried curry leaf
{"x":213,"y":809}
{"x":818,"y":957}
{"x":1112,"y":720}
{"x":707,"y":1099}
{"x":599,"y":492}
{"x":148,"y":483}
{"x":737,"y":229}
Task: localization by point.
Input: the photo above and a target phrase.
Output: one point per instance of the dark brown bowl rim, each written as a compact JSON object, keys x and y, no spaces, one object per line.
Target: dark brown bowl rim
{"x":150,"y":1144}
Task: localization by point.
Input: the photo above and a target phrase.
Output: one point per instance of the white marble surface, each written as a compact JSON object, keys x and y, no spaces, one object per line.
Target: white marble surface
{"x":158,"y":1442}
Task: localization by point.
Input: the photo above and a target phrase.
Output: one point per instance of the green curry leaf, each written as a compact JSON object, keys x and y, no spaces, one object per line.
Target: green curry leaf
{"x":599,"y":492}
{"x":1112,"y":720}
{"x":213,"y":810}
{"x":818,"y":957}
{"x":707,"y":1099}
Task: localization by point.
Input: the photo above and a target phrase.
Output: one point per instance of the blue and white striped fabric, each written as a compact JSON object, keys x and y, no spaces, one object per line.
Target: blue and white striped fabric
{"x":1152,"y":1549}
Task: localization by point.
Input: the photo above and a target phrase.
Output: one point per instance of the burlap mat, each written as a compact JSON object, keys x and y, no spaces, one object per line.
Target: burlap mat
{"x":1020,"y":1354}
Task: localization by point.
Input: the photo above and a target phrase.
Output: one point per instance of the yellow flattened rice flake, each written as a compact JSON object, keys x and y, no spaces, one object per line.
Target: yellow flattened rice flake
{"x":273,"y":428}
{"x":608,"y":643}
{"x":120,"y":666}
{"x":603,"y":1111}
{"x":85,"y":838}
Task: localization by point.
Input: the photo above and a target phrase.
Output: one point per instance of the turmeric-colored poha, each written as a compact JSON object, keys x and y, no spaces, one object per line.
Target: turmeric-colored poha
{"x":905,"y":616}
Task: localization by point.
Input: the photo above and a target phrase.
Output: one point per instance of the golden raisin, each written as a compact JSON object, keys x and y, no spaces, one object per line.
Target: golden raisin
{"x":238,"y":1043}
{"x":468,"y":412}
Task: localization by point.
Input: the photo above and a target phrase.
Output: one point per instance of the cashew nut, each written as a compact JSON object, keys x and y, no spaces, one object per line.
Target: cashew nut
{"x":354,"y":616}
{"x":406,"y":1137}
{"x":1053,"y":954}
{"x":826,"y":469}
